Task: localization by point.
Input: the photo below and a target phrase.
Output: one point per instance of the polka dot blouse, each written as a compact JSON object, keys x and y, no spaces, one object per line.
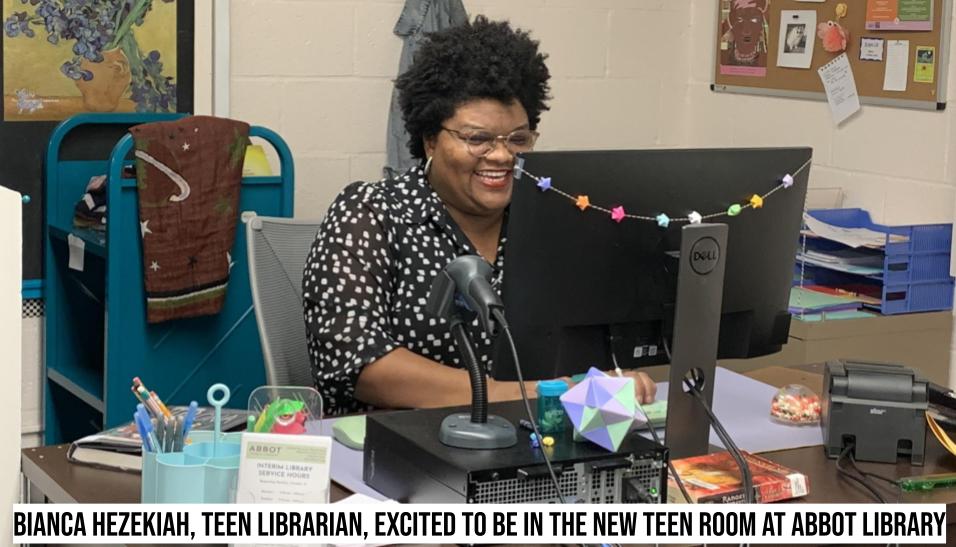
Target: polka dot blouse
{"x":367,"y":280}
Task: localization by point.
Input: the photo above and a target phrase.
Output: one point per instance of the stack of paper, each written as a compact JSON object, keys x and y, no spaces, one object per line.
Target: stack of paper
{"x":803,"y":300}
{"x":852,"y":237}
{"x":852,"y":261}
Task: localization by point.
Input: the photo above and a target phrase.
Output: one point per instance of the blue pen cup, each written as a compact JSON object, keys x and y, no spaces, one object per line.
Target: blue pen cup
{"x":195,"y":475}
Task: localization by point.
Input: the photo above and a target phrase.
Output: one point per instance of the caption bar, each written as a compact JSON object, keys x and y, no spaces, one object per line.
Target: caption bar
{"x":428,"y":523}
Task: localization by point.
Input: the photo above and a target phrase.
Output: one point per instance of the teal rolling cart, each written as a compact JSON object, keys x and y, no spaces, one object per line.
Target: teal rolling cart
{"x":96,"y":337}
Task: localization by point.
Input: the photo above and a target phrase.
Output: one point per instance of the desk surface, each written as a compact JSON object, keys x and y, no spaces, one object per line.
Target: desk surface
{"x":64,"y":482}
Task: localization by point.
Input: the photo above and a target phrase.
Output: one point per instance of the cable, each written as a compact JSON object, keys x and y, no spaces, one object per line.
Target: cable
{"x":479,"y":385}
{"x":893,"y":482}
{"x":745,"y":474}
{"x":499,"y":316}
{"x":846,"y":474}
{"x":653,"y":430}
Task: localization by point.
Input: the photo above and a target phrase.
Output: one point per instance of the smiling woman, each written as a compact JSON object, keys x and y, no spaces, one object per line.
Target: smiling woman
{"x":471,"y":100}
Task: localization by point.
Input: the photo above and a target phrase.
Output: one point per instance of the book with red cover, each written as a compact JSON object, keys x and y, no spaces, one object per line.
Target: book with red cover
{"x":715,"y":478}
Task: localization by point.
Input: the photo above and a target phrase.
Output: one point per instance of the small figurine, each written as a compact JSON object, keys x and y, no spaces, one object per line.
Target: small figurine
{"x":284,"y":416}
{"x":833,"y":35}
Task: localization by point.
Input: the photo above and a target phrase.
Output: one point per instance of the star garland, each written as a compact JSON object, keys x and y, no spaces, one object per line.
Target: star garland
{"x":618,"y":214}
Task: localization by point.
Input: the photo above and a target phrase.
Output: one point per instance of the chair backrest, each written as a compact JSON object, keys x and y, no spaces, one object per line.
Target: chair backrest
{"x":278,"y":249}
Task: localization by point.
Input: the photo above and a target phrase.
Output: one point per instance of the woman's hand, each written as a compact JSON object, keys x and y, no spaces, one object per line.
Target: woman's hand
{"x":644,"y":388}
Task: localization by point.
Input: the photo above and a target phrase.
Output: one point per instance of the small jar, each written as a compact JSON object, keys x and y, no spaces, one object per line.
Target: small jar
{"x":551,"y":416}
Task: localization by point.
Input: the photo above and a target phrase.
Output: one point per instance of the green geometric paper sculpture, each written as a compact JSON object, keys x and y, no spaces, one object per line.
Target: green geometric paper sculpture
{"x":601,"y":408}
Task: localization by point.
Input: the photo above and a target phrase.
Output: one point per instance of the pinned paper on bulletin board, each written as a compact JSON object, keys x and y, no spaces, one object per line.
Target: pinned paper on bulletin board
{"x":743,"y":40}
{"x":897,"y":63}
{"x":909,"y":15}
{"x":795,"y":48}
{"x":871,"y":49}
{"x":840,"y":87}
{"x":925,"y":71}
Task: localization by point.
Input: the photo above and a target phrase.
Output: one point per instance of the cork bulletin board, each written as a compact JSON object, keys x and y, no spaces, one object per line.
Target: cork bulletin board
{"x":750,"y":49}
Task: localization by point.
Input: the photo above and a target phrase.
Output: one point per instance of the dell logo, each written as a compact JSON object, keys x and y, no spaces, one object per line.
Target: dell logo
{"x":704,"y":255}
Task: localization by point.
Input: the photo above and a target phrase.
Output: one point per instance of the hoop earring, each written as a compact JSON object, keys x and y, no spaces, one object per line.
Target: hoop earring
{"x":428,"y":165}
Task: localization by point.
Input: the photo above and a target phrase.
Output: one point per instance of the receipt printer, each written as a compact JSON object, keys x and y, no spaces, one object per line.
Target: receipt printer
{"x":878,"y":408}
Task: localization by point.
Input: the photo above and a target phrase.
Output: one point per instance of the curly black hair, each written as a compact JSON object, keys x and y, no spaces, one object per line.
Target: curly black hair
{"x":479,"y":60}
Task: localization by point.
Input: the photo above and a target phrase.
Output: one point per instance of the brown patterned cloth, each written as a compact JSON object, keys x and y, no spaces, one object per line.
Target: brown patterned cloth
{"x":188,"y":174}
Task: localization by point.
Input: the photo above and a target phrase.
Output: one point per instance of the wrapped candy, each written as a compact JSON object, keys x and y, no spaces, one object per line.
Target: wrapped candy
{"x":795,"y":404}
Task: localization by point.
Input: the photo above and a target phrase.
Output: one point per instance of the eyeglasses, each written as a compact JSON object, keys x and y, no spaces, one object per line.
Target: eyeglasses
{"x":481,"y":143}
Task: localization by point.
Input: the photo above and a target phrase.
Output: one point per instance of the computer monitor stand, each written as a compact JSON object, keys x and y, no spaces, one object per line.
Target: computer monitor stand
{"x":700,"y":285}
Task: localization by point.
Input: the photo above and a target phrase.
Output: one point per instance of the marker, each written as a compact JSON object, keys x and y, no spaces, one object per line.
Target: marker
{"x":190,"y":418}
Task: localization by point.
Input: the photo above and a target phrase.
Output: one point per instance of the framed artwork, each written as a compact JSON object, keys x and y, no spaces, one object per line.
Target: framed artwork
{"x":63,"y":57}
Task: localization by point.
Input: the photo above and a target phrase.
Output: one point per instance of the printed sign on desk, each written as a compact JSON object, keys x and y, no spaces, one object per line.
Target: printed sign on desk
{"x":284,"y":468}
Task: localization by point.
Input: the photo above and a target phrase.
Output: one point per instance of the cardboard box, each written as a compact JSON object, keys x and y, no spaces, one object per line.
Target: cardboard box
{"x":919,"y":340}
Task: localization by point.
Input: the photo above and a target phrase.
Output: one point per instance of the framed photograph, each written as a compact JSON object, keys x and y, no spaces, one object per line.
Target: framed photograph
{"x":797,"y":37}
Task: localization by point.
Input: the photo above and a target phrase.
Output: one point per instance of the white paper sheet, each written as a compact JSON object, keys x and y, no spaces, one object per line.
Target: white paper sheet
{"x":743,"y":406}
{"x":853,"y":237}
{"x":77,"y":252}
{"x":897,"y":65}
{"x":797,"y":37}
{"x":871,"y":49}
{"x":840,"y":86}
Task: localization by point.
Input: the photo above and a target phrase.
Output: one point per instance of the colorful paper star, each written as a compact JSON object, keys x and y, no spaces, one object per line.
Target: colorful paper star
{"x":663,"y":220}
{"x":734,"y":210}
{"x":583,"y":202}
{"x":617,"y":214}
{"x":756,"y":201}
{"x":787,"y":181}
{"x":694,"y":217}
{"x":544,"y":183}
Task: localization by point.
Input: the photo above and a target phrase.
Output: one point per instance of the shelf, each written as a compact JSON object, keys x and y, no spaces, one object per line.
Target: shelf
{"x":98,"y":337}
{"x":85,"y":384}
{"x":95,"y":240}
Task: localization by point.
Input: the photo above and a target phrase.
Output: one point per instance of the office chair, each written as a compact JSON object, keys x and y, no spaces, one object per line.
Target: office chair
{"x":278,"y":248}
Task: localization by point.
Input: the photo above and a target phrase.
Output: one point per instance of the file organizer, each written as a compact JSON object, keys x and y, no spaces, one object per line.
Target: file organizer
{"x":205,"y":471}
{"x":916,"y":260}
{"x":97,"y":337}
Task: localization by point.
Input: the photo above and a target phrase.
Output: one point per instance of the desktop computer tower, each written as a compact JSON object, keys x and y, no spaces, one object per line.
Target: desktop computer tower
{"x":405,"y":461}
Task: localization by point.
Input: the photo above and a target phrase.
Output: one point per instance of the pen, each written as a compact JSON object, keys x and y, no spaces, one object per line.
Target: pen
{"x":137,"y":395}
{"x":149,"y":402}
{"x":168,"y":427}
{"x":159,"y":407}
{"x":928,"y":482}
{"x":143,"y":414}
{"x":190,"y":418}
{"x":251,"y":423}
{"x":143,"y":435}
{"x":162,"y":406}
{"x":151,"y":434}
{"x":178,"y":434}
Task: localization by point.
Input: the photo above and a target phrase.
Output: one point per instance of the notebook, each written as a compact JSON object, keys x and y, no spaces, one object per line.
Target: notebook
{"x":121,"y":448}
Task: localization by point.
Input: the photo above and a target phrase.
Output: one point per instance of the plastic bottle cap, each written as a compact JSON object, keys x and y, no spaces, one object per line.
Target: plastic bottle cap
{"x":551,"y":388}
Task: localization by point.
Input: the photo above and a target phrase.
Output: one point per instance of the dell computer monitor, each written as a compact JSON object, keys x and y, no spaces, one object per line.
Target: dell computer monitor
{"x":578,"y":283}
